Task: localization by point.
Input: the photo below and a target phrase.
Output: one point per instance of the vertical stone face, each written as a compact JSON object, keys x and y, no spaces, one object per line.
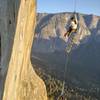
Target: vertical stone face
{"x":8,"y":19}
{"x":18,"y":21}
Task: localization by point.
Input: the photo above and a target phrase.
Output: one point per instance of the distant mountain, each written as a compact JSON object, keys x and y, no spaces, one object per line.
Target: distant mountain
{"x":49,"y":45}
{"x":51,"y":28}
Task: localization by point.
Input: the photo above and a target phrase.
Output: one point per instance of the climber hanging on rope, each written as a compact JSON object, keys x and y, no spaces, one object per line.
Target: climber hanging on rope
{"x":73,"y":26}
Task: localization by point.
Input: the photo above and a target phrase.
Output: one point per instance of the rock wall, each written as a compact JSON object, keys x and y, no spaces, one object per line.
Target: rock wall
{"x":17,"y":22}
{"x":51,"y":28}
{"x":49,"y":48}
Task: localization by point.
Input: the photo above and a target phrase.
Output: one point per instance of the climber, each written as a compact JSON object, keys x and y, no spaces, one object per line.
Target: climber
{"x":72,"y":27}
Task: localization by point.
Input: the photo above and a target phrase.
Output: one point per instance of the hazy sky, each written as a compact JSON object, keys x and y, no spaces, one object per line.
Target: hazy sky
{"x":83,"y":6}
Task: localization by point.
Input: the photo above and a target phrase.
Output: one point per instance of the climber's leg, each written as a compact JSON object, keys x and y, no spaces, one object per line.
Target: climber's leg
{"x":68,"y":32}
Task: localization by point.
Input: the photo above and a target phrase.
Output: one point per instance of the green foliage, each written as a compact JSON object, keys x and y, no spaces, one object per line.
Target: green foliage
{"x":54,"y":88}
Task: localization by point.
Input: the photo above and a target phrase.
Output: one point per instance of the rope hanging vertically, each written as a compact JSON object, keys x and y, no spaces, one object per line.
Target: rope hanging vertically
{"x":66,"y":63}
{"x":61,"y":97}
{"x":75,"y":6}
{"x":65,"y":71}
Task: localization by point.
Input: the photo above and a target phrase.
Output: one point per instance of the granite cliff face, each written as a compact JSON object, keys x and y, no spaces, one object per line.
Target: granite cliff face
{"x":51,"y":28}
{"x":17,"y":22}
{"x":49,"y":46}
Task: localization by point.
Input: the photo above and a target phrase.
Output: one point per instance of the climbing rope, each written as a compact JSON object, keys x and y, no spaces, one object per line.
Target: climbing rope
{"x":65,"y":71}
{"x":75,"y":2}
{"x":67,"y":55}
{"x":54,"y":31}
{"x":68,"y":50}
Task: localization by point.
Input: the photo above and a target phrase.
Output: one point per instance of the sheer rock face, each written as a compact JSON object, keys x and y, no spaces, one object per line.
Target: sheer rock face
{"x":51,"y":28}
{"x":18,"y":21}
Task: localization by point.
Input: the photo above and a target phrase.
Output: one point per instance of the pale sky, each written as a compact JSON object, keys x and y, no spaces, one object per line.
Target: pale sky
{"x":83,"y":6}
